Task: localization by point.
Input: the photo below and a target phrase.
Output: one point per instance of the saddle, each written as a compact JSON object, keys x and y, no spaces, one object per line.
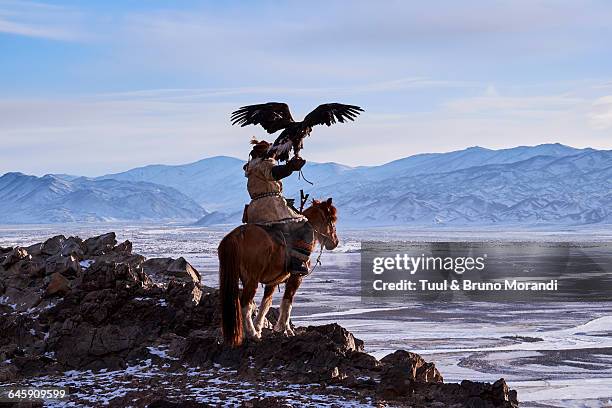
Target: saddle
{"x":278,"y":235}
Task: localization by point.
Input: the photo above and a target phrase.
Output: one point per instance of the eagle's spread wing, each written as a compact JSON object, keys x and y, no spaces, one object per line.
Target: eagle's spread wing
{"x":272,"y":116}
{"x":329,"y":113}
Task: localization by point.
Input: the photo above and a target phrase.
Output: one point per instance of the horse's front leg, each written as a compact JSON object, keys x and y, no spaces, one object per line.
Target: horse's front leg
{"x":266,"y":302}
{"x":282,"y":325}
{"x":248,"y":306}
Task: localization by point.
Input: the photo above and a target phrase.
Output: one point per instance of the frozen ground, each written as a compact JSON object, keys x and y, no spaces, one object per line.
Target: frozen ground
{"x":556,"y":355}
{"x":217,"y":387}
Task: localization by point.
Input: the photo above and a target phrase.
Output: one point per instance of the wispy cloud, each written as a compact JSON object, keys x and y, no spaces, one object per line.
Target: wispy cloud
{"x":512,"y":106}
{"x":432,"y":76}
{"x":101,"y":133}
{"x":264,"y":91}
{"x":600,"y":117}
{"x":40,"y":20}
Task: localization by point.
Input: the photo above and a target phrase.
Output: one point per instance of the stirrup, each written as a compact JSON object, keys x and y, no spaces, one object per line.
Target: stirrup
{"x":298,"y":267}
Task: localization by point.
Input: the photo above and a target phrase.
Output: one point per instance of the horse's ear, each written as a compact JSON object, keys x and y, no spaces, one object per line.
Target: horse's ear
{"x":329,"y":201}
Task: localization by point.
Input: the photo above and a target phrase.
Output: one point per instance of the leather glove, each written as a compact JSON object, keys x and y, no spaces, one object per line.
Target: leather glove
{"x":296,"y":163}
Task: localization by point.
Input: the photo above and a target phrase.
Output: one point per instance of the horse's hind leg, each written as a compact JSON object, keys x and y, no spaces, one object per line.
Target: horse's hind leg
{"x":266,"y":302}
{"x":282,"y":325}
{"x":248,"y":306}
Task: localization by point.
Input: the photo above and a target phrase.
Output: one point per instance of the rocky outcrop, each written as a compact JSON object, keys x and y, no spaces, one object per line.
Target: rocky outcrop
{"x":69,"y":304}
{"x":165,"y":269}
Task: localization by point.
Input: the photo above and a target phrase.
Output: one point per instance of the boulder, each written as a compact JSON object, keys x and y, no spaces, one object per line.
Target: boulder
{"x":15,"y":255}
{"x":184,"y":294}
{"x":165,"y":269}
{"x":53,"y":245}
{"x":182,"y":270}
{"x":67,"y":265}
{"x":73,"y":246}
{"x":58,"y":285}
{"x":413,"y":365}
{"x":34,"y":268}
{"x":36,"y":249}
{"x":99,"y":245}
{"x":497,"y":394}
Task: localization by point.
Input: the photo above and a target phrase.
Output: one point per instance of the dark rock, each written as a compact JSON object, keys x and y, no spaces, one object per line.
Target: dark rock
{"x":489,"y":395}
{"x":428,"y":373}
{"x":316,"y":353}
{"x":73,"y":246}
{"x":14,"y":256}
{"x":124,"y":248}
{"x":99,"y":245}
{"x":124,"y":276}
{"x":395,"y":382}
{"x":34,"y":268}
{"x":9,"y":373}
{"x":365,"y":361}
{"x":58,"y":285}
{"x":181,"y":269}
{"x":164,"y":269}
{"x":415,"y":367}
{"x":35,"y":249}
{"x":54,"y":245}
{"x":187,"y":294}
{"x":67,"y":265}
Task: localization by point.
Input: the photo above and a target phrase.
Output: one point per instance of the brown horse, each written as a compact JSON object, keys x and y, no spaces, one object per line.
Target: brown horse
{"x":248,"y":254}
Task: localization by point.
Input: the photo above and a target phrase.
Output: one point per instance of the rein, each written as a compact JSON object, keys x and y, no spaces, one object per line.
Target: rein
{"x":321,"y":242}
{"x":301,"y":175}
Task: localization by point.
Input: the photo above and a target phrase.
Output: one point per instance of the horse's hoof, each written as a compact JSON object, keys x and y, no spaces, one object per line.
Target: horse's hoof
{"x":284,"y":331}
{"x":254,"y":337}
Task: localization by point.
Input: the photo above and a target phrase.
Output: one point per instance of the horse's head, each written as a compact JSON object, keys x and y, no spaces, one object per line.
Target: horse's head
{"x":322,"y":216}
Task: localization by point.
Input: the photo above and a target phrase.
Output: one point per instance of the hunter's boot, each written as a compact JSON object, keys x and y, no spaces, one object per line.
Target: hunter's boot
{"x":300,"y":254}
{"x":298,"y":267}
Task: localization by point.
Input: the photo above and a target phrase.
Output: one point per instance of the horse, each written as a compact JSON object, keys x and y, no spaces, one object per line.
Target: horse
{"x":248,"y":254}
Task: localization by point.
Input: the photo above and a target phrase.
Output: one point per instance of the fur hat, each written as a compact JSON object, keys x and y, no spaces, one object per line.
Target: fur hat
{"x":260,"y":148}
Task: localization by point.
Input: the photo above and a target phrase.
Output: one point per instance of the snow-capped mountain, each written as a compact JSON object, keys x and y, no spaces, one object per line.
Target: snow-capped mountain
{"x":429,"y":163}
{"x":214,"y":182}
{"x":48,"y":199}
{"x":218,"y":183}
{"x":574,"y":189}
{"x":549,"y":183}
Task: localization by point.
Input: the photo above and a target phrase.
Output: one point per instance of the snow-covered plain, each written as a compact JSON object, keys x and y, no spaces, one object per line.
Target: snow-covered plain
{"x":570,"y":364}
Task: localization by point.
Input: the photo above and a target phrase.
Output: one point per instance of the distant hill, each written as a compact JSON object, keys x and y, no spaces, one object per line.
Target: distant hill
{"x":574,"y":189}
{"x":527,"y":185}
{"x":216,"y":183}
{"x":432,"y":163}
{"x":50,"y":199}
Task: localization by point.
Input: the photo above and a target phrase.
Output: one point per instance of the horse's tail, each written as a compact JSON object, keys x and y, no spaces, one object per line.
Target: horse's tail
{"x":229,"y":275}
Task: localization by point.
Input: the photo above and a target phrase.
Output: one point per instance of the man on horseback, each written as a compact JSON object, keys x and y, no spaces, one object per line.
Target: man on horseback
{"x":269,"y":208}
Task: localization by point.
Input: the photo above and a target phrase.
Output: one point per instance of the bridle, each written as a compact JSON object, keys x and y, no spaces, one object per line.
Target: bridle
{"x":330,"y":227}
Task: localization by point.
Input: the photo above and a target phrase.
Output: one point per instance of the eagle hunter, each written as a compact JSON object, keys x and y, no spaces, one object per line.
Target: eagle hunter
{"x":274,"y":116}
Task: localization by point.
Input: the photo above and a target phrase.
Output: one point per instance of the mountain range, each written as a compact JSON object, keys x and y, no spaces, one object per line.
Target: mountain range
{"x":53,"y":199}
{"x":549,"y":183}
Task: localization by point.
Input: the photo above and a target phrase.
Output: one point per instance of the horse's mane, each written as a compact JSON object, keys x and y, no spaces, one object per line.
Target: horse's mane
{"x":328,"y":208}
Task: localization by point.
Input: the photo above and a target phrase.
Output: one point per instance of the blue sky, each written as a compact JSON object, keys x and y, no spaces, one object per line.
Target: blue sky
{"x":102,"y":86}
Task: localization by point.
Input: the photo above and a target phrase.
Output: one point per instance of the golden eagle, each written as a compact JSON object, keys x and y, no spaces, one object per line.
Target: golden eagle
{"x":274,"y":116}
